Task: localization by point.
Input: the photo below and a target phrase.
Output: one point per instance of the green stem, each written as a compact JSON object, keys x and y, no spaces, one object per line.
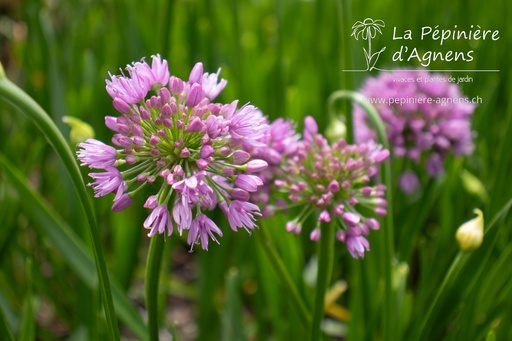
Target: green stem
{"x":283,"y":275}
{"x":25,"y":104}
{"x":153,"y":267}
{"x":450,"y":274}
{"x":387,"y":235}
{"x":325,"y":263}
{"x":459,"y":263}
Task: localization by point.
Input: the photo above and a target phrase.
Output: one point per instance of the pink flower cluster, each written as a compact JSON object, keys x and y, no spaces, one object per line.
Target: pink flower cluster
{"x":172,"y":136}
{"x":194,"y":155}
{"x":329,"y":182}
{"x":425,"y":121}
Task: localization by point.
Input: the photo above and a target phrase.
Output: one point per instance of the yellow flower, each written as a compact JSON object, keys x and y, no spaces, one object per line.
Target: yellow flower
{"x":470,"y":234}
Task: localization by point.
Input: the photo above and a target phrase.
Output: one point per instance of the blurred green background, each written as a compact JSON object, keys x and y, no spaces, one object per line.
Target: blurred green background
{"x":286,"y":57}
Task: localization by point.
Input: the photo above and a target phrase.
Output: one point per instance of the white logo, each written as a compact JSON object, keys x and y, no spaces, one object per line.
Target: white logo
{"x":368,"y":29}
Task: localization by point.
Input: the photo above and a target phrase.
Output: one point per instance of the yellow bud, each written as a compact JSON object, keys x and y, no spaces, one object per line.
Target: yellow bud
{"x":80,"y":131}
{"x":470,"y":234}
{"x":473,"y":185}
{"x":336,"y":129}
{"x":2,"y":72}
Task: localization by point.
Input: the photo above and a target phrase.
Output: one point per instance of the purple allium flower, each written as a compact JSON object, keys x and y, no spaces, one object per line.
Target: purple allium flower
{"x":357,"y":245}
{"x":332,"y":183}
{"x":408,"y":182}
{"x":241,"y":214}
{"x":211,"y":88}
{"x":106,"y":182}
{"x":425,"y":121}
{"x":201,"y":228}
{"x":159,"y":221}
{"x":96,"y":154}
{"x":192,"y":152}
{"x":278,"y":142}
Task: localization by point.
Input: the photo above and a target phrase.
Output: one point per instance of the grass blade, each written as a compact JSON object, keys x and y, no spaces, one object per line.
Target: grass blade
{"x":24,"y":103}
{"x":5,"y":331}
{"x":68,"y":244}
{"x":28,"y":324}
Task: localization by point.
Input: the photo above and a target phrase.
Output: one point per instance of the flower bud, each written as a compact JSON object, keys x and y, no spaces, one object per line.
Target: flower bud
{"x":352,"y":219}
{"x":123,"y":202}
{"x":195,"y":95}
{"x":80,"y":131}
{"x":240,"y":156}
{"x":315,"y":235}
{"x":324,"y":216}
{"x":256,"y":166}
{"x":151,"y":202}
{"x":196,"y":73}
{"x":336,"y":130}
{"x":121,"y":106}
{"x":470,"y":234}
{"x":176,"y":85}
{"x":206,"y":151}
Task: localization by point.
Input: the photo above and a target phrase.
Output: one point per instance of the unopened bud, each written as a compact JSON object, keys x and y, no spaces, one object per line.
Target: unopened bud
{"x":470,"y":234}
{"x":80,"y":131}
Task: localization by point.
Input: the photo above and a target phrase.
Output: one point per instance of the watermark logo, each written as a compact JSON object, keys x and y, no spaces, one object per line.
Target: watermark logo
{"x":412,"y":42}
{"x":368,"y":29}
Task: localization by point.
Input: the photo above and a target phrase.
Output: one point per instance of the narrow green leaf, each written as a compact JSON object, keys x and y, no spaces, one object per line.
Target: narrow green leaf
{"x":28,"y":324}
{"x":232,"y":324}
{"x":283,"y":274}
{"x":5,"y":331}
{"x":68,"y":244}
{"x":459,"y":264}
{"x":491,"y":336}
{"x":25,"y":104}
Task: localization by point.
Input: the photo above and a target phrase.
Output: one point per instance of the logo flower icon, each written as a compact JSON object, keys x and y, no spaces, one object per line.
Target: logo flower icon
{"x":368,"y":29}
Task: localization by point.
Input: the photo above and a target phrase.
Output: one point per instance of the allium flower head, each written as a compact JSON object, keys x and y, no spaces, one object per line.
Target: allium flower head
{"x":170,"y":135}
{"x":425,"y":121}
{"x":331,"y":183}
{"x":279,"y":142}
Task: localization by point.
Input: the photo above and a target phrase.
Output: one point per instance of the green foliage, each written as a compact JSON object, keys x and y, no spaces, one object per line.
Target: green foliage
{"x":286,"y":57}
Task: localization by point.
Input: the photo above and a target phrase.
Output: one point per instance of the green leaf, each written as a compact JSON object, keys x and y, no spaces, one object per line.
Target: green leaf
{"x":48,"y":223}
{"x":232,"y":324}
{"x":25,"y":104}
{"x":491,"y":336}
{"x":5,"y":331}
{"x":28,"y":324}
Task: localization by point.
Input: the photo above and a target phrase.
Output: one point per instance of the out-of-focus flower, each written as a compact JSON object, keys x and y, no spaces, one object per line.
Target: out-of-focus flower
{"x":471,"y":234}
{"x":408,"y":182}
{"x":336,"y":129}
{"x":279,"y":142}
{"x":332,"y":183}
{"x":170,"y":135}
{"x":425,"y":121}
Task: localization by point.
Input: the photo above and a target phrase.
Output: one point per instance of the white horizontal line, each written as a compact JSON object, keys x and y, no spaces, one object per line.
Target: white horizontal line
{"x":422,"y":70}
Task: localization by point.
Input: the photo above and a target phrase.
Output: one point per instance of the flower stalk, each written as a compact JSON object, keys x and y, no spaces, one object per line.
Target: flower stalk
{"x":325,"y":263}
{"x":284,"y":276}
{"x":152,"y":280}
{"x":387,"y":235}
